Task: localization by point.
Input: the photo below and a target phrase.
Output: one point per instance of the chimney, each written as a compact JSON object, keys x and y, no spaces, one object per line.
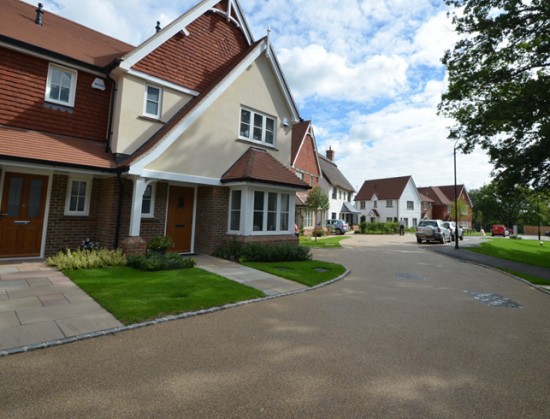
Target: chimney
{"x":157,"y":28}
{"x":330,"y":153}
{"x":39,"y":13}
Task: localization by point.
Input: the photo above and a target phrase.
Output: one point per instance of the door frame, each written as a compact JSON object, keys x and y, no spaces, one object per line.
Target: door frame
{"x":195,"y":199}
{"x":30,"y":171}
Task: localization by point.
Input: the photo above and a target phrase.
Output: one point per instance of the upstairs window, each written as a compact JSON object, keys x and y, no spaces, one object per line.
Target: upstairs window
{"x":410,"y":205}
{"x":375,"y":204}
{"x":389,"y":203}
{"x":362,"y":204}
{"x":257,"y":127}
{"x":61,"y":85}
{"x":153,"y":97}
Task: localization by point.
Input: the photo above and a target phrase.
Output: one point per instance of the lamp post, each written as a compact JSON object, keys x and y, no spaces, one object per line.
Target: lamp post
{"x":456,"y":198}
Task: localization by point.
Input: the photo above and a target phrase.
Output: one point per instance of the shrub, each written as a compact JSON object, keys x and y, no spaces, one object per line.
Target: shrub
{"x":379,"y":228}
{"x":262,"y":252}
{"x":160,"y":243}
{"x":160,"y":262}
{"x":87,"y":259}
{"x":318,"y":232}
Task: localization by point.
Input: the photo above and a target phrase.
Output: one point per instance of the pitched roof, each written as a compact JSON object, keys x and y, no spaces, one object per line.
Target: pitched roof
{"x":57,"y":36}
{"x":435,"y":194}
{"x":299,"y":131}
{"x":257,"y":165}
{"x":389,"y":188}
{"x":41,"y":147}
{"x":333,"y":175}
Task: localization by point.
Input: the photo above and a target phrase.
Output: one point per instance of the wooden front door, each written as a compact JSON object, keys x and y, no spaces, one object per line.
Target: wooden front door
{"x":179,"y":225}
{"x":22,"y":214}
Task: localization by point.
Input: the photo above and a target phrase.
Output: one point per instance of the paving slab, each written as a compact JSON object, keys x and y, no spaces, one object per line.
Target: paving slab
{"x":29,"y":334}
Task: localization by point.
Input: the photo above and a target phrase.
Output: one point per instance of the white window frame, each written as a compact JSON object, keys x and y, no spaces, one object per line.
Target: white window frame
{"x":87,"y":197}
{"x":151,"y":213}
{"x":238,"y":211}
{"x":411,"y":206}
{"x":251,"y":126}
{"x":389,"y":203}
{"x":307,"y":219}
{"x":72,"y":88}
{"x":146,"y":100}
{"x":362,"y":204}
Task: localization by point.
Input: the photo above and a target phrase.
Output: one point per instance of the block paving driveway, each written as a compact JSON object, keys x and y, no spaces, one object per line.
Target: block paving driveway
{"x":408,"y":333}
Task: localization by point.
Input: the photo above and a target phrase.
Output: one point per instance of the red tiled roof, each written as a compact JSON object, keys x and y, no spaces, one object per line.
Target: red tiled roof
{"x":257,"y":165}
{"x":16,"y":143}
{"x":58,"y":35}
{"x":435,"y":194}
{"x":299,"y":131}
{"x":389,"y":188}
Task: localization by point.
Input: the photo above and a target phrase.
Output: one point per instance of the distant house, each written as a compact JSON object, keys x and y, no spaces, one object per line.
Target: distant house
{"x":437,"y":202}
{"x":389,"y":200}
{"x":339,"y":190}
{"x":188,"y":134}
{"x":305,"y":164}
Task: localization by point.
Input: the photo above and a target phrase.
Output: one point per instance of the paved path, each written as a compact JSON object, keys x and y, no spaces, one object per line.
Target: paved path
{"x":409,"y":333}
{"x":41,"y":307}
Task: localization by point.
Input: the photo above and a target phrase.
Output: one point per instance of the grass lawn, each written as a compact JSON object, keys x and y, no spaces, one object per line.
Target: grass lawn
{"x":531,"y":279}
{"x":524,"y":251}
{"x":310,"y":273}
{"x":322,"y":242}
{"x":134,"y":296}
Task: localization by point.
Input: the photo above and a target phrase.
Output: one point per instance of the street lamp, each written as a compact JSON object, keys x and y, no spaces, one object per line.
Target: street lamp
{"x":456,"y":198}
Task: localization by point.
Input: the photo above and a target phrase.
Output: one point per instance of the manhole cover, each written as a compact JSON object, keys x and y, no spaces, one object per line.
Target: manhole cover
{"x":409,"y":275}
{"x":281,"y":268}
{"x":493,"y":300}
{"x":320,"y":270}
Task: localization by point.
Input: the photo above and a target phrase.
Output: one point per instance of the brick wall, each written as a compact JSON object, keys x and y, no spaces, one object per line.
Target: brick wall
{"x":211,"y":223}
{"x":22,"y":101}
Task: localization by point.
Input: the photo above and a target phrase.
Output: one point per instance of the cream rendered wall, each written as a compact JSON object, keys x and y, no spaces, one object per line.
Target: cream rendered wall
{"x":130,"y":128}
{"x":210,"y":146}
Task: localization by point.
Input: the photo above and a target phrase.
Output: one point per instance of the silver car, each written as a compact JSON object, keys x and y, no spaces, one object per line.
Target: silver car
{"x":339,"y":226}
{"x":432,"y":230}
{"x":451,"y":225}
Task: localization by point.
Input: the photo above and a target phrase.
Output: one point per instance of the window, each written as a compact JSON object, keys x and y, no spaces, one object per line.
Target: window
{"x":235,"y":213}
{"x":78,"y":196}
{"x":375,"y":204}
{"x":410,"y":205}
{"x":333,"y":215}
{"x":463,"y":210}
{"x":257,"y":127}
{"x":334,"y":192}
{"x":300,"y":175}
{"x":153,"y":97}
{"x":389,"y":203}
{"x":271,"y":211}
{"x":424,"y":206}
{"x":148,"y":202}
{"x":61,"y":85}
{"x":307,"y":218}
{"x":415,"y":222}
{"x":349,"y":196}
{"x":389,"y":219}
{"x":362,"y":204}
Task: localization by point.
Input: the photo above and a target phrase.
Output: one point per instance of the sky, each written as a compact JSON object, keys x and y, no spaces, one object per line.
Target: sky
{"x":367,"y":73}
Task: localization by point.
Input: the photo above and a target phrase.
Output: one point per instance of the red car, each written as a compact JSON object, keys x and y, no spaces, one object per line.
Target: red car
{"x":499,"y":230}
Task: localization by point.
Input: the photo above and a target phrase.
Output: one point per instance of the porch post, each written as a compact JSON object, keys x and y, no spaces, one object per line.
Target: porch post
{"x":137,"y":198}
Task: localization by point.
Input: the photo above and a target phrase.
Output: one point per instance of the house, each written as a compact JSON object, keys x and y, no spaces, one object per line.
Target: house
{"x":305,"y":164}
{"x":438,"y":201}
{"x":389,"y":200}
{"x":339,"y":190}
{"x":189,"y":134}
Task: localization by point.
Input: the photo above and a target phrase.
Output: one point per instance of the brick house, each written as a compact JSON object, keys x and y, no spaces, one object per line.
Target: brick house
{"x":188,"y":134}
{"x":437,"y":202}
{"x":389,"y":200}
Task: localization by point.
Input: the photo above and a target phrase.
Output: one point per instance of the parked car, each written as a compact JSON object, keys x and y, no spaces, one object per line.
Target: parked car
{"x":547,"y":233}
{"x":432,"y":230}
{"x":339,"y":226}
{"x":451,"y":225}
{"x":499,"y":230}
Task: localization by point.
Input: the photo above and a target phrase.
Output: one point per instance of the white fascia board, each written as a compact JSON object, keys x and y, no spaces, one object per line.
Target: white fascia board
{"x":284,"y":85}
{"x":53,"y":167}
{"x":163,"y":83}
{"x":242,"y":21}
{"x":179,"y":177}
{"x":139,"y":166}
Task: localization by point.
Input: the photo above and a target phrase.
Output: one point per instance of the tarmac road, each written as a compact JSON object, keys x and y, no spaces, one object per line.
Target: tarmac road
{"x":398,"y":337}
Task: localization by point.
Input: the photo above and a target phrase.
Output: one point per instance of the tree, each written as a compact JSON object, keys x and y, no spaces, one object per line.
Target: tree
{"x":317,"y":200}
{"x":499,"y":84}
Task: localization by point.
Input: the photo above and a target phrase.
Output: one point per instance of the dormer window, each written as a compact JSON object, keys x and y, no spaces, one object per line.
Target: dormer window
{"x":257,"y":127}
{"x":153,"y":98}
{"x":61,"y":85}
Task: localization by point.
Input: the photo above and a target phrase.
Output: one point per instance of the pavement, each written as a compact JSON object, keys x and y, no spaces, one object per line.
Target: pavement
{"x":41,"y":307}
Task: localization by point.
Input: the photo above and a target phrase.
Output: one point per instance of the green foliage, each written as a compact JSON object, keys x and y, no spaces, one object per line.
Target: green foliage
{"x":318,"y":232}
{"x":329,"y":242}
{"x":87,"y":259}
{"x":379,"y":228}
{"x":157,"y":243}
{"x":524,"y":251}
{"x":262,"y":252}
{"x":499,"y":79}
{"x":160,"y":262}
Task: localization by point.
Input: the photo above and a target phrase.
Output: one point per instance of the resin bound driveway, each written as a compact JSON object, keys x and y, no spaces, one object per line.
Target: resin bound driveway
{"x":408,"y":333}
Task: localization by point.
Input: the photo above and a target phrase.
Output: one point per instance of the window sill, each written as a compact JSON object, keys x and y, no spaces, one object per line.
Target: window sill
{"x":151,"y":119}
{"x":257,"y":143}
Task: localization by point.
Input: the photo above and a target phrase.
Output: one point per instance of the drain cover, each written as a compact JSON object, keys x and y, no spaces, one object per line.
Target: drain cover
{"x":321,"y":270}
{"x":409,"y":275}
{"x":493,"y":300}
